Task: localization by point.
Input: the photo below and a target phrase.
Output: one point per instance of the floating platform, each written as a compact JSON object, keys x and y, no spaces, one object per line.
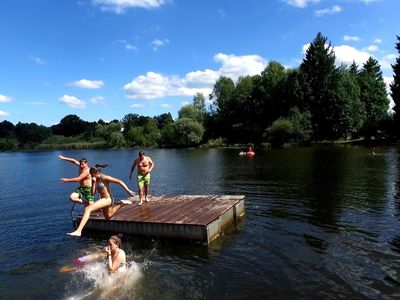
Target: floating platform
{"x":195,"y":217}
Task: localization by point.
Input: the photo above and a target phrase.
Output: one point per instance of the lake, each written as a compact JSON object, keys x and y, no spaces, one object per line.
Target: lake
{"x":320,"y":223}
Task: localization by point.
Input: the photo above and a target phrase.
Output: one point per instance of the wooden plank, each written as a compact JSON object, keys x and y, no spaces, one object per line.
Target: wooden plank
{"x":200,"y":217}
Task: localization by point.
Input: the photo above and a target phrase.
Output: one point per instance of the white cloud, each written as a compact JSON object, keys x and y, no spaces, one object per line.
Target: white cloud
{"x":157,"y":43}
{"x":333,"y":10}
{"x":300,"y":3}
{"x":4,"y":98}
{"x":388,"y":80}
{"x":387,"y":61}
{"x":154,"y":85}
{"x":4,"y":113}
{"x":72,"y":101}
{"x":346,"y":54}
{"x":97,"y":100}
{"x":235,"y":66}
{"x":371,"y":48}
{"x":37,"y":60}
{"x":166,"y":105}
{"x":137,"y":105}
{"x":377,"y":41}
{"x":351,"y":38}
{"x":184,"y":103}
{"x":88,"y":84}
{"x":126,"y":44}
{"x":120,"y":6}
{"x":368,"y":1}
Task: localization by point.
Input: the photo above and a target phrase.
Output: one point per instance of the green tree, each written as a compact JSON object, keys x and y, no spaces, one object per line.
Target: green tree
{"x":70,"y":125}
{"x":7,"y":129}
{"x":163,"y":120}
{"x":223,"y":106}
{"x":395,"y":89}
{"x":188,"y":132}
{"x":280,"y":132}
{"x":29,"y":135}
{"x":320,"y":78}
{"x":302,"y":128}
{"x":373,"y":95}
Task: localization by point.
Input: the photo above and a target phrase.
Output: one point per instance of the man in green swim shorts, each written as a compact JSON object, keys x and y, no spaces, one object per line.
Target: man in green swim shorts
{"x":83,"y":194}
{"x":144,"y":165}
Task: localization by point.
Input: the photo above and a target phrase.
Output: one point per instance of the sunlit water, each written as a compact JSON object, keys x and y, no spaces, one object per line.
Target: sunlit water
{"x":319,"y":223}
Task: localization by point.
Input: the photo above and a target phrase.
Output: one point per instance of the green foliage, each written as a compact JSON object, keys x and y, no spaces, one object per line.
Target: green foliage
{"x":30,"y":135}
{"x":214,"y":143}
{"x":280,"y":132}
{"x":147,"y":135}
{"x":70,"y":125}
{"x":302,"y":128}
{"x":319,"y":88}
{"x":395,"y":89}
{"x":7,"y":129}
{"x":373,"y":95}
{"x":188,"y":132}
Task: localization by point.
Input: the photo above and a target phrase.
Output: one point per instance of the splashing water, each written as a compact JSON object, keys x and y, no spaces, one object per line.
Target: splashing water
{"x":97,"y":283}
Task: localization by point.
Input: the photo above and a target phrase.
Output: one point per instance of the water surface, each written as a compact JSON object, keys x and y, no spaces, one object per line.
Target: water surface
{"x":320,"y":223}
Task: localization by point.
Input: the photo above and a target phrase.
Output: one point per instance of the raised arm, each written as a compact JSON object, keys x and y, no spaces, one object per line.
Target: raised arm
{"x":71,"y":160}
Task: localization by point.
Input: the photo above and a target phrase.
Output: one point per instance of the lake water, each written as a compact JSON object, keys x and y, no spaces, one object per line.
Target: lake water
{"x":320,"y":223}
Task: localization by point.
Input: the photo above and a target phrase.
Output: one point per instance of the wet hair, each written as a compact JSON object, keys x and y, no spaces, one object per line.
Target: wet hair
{"x":83,"y":160}
{"x":116,"y":239}
{"x":141,"y":152}
{"x":97,"y":168}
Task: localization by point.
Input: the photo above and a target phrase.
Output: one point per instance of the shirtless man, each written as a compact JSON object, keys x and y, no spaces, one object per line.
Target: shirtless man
{"x":83,"y":194}
{"x":144,"y":165}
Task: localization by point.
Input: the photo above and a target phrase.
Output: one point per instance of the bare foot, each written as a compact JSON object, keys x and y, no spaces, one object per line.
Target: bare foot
{"x":126,"y":202}
{"x":141,"y":202}
{"x":75,"y":233}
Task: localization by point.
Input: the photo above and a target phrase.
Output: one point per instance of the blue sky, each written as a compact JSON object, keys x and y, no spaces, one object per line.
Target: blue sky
{"x":103,"y":59}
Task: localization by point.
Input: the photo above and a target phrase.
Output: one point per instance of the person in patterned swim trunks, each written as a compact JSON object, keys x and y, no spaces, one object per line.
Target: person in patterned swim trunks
{"x":144,"y":166}
{"x":83,"y":194}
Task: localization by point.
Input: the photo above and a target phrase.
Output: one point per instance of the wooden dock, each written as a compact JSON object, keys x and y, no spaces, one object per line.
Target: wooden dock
{"x":196,"y":217}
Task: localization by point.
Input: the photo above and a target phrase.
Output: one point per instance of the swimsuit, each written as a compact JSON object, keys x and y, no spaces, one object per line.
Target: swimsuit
{"x":143,"y":180}
{"x":85,"y":192}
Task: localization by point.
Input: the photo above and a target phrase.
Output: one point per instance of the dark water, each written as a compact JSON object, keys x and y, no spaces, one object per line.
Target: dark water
{"x":321,"y":223}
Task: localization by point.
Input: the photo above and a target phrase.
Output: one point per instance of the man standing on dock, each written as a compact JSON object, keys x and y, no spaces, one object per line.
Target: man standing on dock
{"x":144,"y":165}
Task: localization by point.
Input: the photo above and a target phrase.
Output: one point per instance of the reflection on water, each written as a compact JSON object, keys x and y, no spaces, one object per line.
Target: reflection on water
{"x":320,"y":222}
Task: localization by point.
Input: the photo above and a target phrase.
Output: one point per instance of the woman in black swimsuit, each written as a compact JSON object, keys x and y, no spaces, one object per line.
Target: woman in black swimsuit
{"x":101,"y":184}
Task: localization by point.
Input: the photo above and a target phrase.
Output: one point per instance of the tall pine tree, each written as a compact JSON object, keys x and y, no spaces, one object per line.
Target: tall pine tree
{"x":320,"y":79}
{"x":395,"y":89}
{"x":373,"y":95}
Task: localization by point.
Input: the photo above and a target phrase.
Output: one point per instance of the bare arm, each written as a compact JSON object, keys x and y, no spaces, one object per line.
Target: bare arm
{"x":151,"y":164}
{"x":120,"y":182}
{"x":132,"y":168}
{"x":71,"y":160}
{"x":82,"y":176}
{"x":114,"y":264}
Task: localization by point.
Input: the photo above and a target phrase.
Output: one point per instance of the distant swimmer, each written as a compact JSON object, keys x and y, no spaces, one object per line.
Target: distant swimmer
{"x":144,"y":165}
{"x":101,"y":184}
{"x":83,"y":194}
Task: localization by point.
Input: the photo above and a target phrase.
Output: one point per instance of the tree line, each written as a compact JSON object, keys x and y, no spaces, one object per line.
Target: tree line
{"x":318,"y":101}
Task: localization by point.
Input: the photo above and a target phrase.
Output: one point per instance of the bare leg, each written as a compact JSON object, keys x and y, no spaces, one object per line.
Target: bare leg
{"x":146,"y":192}
{"x":140,"y":195}
{"x":109,"y":211}
{"x":99,"y":204}
{"x":74,"y":197}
